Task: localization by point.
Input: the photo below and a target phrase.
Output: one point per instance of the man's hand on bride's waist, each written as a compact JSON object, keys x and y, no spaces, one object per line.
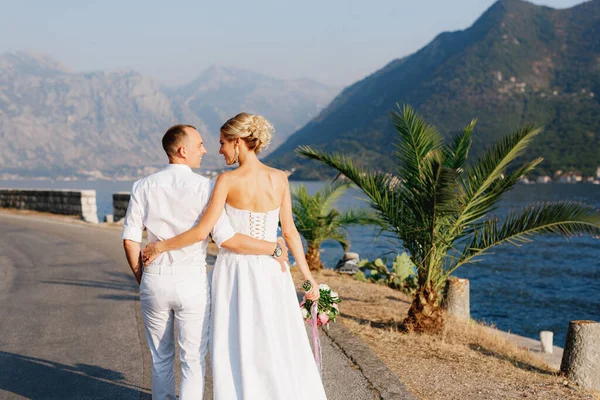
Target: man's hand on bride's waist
{"x":282,"y":258}
{"x":150,"y":252}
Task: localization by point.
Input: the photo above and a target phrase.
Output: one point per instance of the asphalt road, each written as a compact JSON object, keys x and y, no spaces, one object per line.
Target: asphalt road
{"x":70,"y":322}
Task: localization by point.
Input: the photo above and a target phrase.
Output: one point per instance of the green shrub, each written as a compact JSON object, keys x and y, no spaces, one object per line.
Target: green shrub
{"x":401,"y":276}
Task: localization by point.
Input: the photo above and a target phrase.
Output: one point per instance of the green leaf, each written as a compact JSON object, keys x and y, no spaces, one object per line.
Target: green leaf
{"x":317,"y":220}
{"x":416,"y":140}
{"x":487,"y":174}
{"x":456,"y":154}
{"x":562,"y":219}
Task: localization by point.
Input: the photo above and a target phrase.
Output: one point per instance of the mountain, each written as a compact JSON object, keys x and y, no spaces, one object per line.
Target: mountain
{"x":53,"y":121}
{"x":518,"y":63}
{"x":57,"y":122}
{"x":222,"y":92}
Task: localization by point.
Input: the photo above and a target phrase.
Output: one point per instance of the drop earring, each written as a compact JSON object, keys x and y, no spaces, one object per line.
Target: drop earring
{"x":237,"y":154}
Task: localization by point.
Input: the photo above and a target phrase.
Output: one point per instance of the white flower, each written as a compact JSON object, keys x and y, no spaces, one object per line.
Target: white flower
{"x":304,"y":313}
{"x":334,"y":295}
{"x":323,"y":286}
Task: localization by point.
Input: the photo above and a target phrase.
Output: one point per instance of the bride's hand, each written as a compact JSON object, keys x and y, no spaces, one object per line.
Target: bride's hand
{"x":150,"y":252}
{"x":314,"y":292}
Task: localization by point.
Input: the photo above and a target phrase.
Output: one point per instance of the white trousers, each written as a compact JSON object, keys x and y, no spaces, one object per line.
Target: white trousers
{"x":179,"y":295}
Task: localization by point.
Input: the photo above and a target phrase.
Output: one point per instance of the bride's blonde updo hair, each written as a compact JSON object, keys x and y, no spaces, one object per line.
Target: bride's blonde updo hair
{"x":254,"y":129}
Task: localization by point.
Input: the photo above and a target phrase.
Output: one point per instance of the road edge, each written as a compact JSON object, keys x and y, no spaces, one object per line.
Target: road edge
{"x":383,"y":380}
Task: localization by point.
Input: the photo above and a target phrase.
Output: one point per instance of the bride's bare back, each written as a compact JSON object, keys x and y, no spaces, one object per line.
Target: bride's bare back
{"x":257,"y":188}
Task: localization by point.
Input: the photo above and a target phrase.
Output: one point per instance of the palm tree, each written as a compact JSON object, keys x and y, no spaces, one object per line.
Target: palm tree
{"x":317,"y":220}
{"x":441,"y":208}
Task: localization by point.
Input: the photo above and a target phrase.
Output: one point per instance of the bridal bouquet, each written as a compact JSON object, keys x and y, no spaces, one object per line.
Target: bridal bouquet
{"x":319,"y":313}
{"x":327,"y":307}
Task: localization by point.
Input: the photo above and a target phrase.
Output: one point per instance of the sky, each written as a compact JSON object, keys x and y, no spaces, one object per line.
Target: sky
{"x":333,"y":41}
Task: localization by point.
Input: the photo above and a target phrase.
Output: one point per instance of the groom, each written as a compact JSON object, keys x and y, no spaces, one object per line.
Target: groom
{"x":174,"y":287}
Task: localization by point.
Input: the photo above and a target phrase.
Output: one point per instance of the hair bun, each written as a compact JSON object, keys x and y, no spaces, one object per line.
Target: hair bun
{"x":254,"y":129}
{"x":260,"y":130}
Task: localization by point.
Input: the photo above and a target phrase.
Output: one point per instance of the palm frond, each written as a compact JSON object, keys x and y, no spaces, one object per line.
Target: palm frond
{"x":300,"y":196}
{"x":385,"y":193}
{"x":303,"y":209}
{"x":501,"y":186}
{"x":342,"y":239}
{"x":563,"y":219}
{"x":488,"y":171}
{"x":317,"y":220}
{"x":301,"y":201}
{"x":332,"y":193}
{"x":416,"y":139}
{"x":441,"y":191}
{"x":456,"y":154}
{"x":359,"y":217}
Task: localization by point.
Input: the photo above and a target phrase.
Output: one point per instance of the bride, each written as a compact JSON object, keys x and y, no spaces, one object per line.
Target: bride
{"x":259,"y":347}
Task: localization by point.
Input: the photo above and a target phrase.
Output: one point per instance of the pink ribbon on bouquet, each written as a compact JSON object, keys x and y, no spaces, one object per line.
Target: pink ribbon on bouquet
{"x":315,"y":336}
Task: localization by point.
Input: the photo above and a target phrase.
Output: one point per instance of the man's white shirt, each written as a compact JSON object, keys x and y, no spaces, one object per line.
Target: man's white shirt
{"x":168,"y":203}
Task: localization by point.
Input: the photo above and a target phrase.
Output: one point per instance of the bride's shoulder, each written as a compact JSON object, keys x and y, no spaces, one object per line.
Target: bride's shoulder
{"x":224,"y":177}
{"x":277,"y":174}
{"x":225,"y":174}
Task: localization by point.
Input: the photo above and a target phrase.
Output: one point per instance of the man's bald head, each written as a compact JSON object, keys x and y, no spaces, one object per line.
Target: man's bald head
{"x":174,"y":138}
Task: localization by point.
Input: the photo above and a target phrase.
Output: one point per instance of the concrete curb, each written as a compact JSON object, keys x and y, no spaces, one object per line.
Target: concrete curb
{"x":373,"y":369}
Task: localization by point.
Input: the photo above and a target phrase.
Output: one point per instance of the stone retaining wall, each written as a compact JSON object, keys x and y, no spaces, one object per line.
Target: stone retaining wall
{"x":81,"y":203}
{"x":120,"y":203}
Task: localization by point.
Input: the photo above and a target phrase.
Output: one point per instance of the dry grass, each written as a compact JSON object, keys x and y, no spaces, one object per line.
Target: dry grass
{"x":465,"y":361}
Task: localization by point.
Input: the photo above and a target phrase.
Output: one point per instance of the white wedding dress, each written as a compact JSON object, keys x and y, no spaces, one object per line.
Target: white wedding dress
{"x":259,"y":346}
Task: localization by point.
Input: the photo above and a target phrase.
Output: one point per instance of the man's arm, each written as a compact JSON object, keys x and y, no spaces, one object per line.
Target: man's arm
{"x":198,"y":232}
{"x":225,"y":236}
{"x":214,"y":221}
{"x":133,"y":226}
{"x":243,"y":244}
{"x":132,"y":252}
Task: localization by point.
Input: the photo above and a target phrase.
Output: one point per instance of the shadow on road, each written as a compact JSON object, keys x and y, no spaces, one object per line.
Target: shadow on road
{"x":36,"y":378}
{"x":122,"y":297}
{"x":121,"y":282}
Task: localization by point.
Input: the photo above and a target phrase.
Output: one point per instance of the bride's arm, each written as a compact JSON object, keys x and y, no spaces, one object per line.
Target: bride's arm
{"x":199,"y":232}
{"x":292,"y":238}
{"x":228,"y":239}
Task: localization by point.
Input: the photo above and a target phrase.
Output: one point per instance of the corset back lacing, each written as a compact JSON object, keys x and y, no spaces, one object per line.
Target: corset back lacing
{"x":258,"y":224}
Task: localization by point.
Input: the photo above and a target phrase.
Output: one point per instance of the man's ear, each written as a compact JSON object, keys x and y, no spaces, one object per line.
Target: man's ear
{"x":182,"y":151}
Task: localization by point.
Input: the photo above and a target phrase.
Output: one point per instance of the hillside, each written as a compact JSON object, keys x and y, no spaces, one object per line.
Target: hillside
{"x":518,"y":63}
{"x":57,"y":122}
{"x":221,"y":92}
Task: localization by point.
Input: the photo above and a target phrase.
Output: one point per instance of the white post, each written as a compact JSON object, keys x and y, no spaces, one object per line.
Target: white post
{"x":547,"y":340}
{"x":89,"y":211}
